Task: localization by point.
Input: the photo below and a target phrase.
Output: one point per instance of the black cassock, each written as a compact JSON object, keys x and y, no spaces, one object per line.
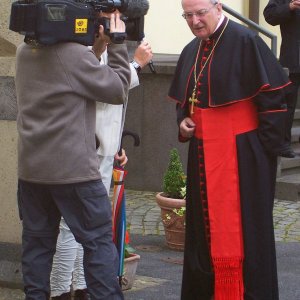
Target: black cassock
{"x":241,"y":68}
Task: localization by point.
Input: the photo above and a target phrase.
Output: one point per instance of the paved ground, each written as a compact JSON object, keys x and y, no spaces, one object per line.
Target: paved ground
{"x":143,"y":216}
{"x":159,"y":270}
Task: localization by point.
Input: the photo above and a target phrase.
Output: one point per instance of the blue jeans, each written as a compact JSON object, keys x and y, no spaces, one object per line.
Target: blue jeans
{"x":87,"y":211}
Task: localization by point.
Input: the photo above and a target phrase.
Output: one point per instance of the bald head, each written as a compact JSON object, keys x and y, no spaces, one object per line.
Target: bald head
{"x":209,"y":1}
{"x":202,"y":16}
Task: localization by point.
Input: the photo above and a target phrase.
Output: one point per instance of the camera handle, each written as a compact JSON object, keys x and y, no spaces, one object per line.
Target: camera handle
{"x":115,"y":37}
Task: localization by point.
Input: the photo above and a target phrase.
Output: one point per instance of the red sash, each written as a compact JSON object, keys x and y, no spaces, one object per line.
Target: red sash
{"x":218,"y":128}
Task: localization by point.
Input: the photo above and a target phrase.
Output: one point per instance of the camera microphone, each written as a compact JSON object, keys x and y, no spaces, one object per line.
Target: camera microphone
{"x":136,"y":8}
{"x":151,"y":67}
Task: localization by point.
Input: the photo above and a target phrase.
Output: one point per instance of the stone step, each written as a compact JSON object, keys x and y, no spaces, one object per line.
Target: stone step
{"x":296,"y":122}
{"x":288,"y":181}
{"x":297,"y":114}
{"x":288,"y":187}
{"x":289,"y":166}
{"x":295,"y":134}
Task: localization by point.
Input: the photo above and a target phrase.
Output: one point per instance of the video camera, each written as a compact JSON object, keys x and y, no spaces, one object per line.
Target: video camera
{"x":48,"y":22}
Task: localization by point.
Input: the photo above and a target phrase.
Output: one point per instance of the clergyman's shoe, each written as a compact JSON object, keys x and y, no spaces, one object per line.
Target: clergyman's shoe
{"x":81,"y":295}
{"x":289,"y":153}
{"x":65,"y":296}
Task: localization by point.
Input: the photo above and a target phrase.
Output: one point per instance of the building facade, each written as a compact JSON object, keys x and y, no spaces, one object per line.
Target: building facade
{"x":167,"y":32}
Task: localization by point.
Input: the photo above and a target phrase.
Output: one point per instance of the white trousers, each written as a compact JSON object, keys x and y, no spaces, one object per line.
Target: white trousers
{"x":67,"y":268}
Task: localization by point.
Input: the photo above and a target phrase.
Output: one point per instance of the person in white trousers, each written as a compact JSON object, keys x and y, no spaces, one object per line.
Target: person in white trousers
{"x":67,"y":269}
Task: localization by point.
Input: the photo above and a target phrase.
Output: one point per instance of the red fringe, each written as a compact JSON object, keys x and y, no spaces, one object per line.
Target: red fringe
{"x":228,"y":278}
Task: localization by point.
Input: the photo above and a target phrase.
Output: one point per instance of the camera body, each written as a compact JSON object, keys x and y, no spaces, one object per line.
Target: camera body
{"x":48,"y":22}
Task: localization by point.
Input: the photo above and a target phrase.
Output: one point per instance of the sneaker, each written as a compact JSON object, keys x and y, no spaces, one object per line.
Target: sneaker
{"x":81,"y":295}
{"x":64,"y":296}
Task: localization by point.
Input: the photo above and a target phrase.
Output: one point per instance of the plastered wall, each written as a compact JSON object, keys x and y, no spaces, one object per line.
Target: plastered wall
{"x":10,"y":229}
{"x":165,"y":29}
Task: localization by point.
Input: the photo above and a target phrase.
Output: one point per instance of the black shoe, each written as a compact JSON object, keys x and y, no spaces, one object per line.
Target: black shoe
{"x":289,"y":153}
{"x":81,"y":295}
{"x":65,"y":296}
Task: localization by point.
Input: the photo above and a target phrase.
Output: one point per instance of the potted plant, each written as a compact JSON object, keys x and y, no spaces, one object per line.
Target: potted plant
{"x":172,"y":202}
{"x":131,"y":260}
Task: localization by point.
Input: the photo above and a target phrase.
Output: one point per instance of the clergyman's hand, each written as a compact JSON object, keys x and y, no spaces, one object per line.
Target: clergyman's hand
{"x":295,"y":4}
{"x":187,"y":128}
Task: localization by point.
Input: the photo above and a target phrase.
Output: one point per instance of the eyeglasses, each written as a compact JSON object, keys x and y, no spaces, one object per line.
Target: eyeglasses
{"x":199,"y":14}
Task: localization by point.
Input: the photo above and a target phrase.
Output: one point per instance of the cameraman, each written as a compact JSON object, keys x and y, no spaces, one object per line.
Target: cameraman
{"x":57,"y":89}
{"x":67,"y":269}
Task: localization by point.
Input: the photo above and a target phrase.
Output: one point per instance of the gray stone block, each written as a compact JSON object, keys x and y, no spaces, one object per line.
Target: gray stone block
{"x":288,"y":187}
{"x":10,"y":274}
{"x":10,"y":265}
{"x":290,"y":166}
{"x":8,"y":102}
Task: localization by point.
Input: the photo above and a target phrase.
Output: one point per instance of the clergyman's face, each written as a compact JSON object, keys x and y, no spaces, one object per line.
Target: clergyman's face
{"x":202,"y":16}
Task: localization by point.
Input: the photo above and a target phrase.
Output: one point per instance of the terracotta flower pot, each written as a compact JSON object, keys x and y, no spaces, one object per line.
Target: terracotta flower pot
{"x":130,"y":266}
{"x":174,"y":224}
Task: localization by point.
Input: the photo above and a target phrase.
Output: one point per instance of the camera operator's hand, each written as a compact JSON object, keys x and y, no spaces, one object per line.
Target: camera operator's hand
{"x":116,"y":24}
{"x":117,"y":28}
{"x":100,"y":43}
{"x":143,"y":54}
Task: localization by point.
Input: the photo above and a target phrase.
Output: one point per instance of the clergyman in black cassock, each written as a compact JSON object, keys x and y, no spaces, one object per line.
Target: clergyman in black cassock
{"x":230,"y":91}
{"x":286,"y":14}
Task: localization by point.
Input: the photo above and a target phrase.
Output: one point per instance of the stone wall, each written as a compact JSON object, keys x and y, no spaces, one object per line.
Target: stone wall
{"x":149,"y":114}
{"x":10,"y":229}
{"x":152,"y":116}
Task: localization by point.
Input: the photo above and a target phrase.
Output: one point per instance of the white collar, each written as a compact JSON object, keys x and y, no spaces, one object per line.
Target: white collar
{"x":220,"y":22}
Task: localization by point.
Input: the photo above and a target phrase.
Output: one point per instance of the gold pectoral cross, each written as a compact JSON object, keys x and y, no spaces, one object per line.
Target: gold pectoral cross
{"x":193,"y":100}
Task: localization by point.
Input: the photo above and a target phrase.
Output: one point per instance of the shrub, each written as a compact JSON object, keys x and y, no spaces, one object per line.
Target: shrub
{"x":174,"y":180}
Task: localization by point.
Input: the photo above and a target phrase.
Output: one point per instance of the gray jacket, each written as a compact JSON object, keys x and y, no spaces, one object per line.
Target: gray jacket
{"x":57,"y":87}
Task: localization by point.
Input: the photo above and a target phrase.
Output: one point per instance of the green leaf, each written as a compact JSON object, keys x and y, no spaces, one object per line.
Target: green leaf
{"x":129,"y":250}
{"x":174,"y":179}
